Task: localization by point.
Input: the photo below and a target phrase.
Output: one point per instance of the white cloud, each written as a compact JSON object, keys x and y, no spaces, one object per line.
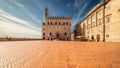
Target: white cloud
{"x":9,"y":27}
{"x":81,"y":5}
{"x":18,"y":20}
{"x":14,"y":30}
{"x":17,"y":27}
{"x":40,"y":5}
{"x":11,"y":7}
{"x":24,"y":9}
{"x":76,"y":3}
{"x":17,"y":3}
{"x":33,"y":17}
{"x":82,"y":9}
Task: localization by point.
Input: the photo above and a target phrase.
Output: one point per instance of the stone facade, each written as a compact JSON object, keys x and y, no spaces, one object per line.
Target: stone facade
{"x":56,"y":27}
{"x":102,"y":23}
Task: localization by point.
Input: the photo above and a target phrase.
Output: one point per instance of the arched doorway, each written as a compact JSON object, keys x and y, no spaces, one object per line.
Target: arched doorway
{"x":51,"y":39}
{"x":98,"y":37}
{"x":57,"y":35}
{"x":67,"y":39}
{"x":92,"y":37}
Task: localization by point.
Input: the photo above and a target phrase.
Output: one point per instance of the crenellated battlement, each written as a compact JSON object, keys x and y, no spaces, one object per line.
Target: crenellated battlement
{"x":55,"y":17}
{"x":59,"y":17}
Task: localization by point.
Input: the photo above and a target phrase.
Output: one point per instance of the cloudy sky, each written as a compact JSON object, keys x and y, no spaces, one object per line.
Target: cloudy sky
{"x":23,"y":18}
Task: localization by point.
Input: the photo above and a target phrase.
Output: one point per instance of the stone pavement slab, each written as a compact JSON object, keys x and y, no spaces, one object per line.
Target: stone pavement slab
{"x":59,"y":54}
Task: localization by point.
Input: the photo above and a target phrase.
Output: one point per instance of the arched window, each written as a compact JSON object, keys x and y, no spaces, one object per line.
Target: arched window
{"x":59,"y":23}
{"x":65,"y":33}
{"x":45,"y":13}
{"x":66,"y":23}
{"x":51,"y":23}
{"x":67,"y":38}
{"x":43,"y":23}
{"x":55,"y":23}
{"x":43,"y":38}
{"x":50,"y":33}
{"x":108,"y":19}
{"x":118,"y":10}
{"x":48,"y":23}
{"x":51,"y":39}
{"x":119,"y":13}
{"x":43,"y":34}
{"x":100,"y":22}
{"x":48,"y":38}
{"x":92,"y":37}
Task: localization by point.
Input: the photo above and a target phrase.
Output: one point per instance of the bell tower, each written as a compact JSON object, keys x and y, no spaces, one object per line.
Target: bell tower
{"x":46,"y":13}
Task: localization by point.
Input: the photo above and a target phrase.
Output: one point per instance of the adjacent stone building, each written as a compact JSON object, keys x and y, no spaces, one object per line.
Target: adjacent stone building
{"x":56,"y":27}
{"x":102,"y":23}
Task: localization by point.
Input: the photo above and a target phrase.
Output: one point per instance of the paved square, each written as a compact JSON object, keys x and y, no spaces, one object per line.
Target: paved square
{"x":59,"y":54}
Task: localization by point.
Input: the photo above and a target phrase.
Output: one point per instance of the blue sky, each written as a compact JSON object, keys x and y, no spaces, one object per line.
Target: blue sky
{"x":23,"y":18}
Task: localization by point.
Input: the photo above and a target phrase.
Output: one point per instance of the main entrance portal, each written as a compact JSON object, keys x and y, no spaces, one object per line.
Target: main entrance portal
{"x":57,"y":35}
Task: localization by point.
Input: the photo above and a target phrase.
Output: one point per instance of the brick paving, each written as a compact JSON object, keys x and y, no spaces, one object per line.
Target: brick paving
{"x":59,"y":54}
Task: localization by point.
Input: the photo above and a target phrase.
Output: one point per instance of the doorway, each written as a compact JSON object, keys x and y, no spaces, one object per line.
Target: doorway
{"x":51,"y":39}
{"x":67,"y":39}
{"x":92,"y":37}
{"x":98,"y":38}
{"x":57,"y":35}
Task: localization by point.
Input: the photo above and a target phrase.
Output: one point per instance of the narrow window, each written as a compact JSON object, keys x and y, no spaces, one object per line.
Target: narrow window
{"x":55,"y":23}
{"x":43,"y":34}
{"x":43,"y":23}
{"x":50,"y":33}
{"x":107,"y":28}
{"x":43,"y":38}
{"x":48,"y":23}
{"x":108,"y":7}
{"x":66,"y":23}
{"x":59,"y":23}
{"x":108,"y":19}
{"x":100,"y":22}
{"x":67,"y":38}
{"x":107,"y":35}
{"x":118,"y":10}
{"x":65,"y":33}
{"x":51,"y":23}
{"x":87,"y":32}
{"x":92,"y":37}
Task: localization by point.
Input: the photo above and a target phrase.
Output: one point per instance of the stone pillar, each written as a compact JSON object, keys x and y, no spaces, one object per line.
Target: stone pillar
{"x":104,"y":22}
